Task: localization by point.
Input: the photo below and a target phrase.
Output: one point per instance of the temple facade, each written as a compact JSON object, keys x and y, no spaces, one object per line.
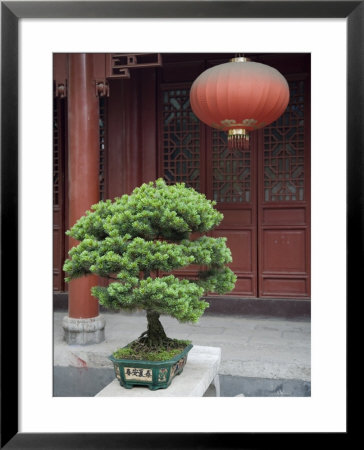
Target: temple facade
{"x":124,"y":119}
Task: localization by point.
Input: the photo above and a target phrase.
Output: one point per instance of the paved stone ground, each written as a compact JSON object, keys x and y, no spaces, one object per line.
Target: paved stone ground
{"x":251,"y":347}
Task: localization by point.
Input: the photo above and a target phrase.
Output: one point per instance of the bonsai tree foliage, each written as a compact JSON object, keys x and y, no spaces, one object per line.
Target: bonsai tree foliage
{"x":133,"y":240}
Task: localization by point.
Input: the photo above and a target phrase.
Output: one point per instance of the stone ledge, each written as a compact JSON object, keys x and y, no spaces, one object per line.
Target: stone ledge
{"x":200,"y":371}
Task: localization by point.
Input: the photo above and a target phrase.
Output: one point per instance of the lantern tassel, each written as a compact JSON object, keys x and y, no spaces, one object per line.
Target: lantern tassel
{"x":238,"y":140}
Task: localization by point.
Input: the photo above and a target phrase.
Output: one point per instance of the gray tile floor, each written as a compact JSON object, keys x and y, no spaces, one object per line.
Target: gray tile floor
{"x":260,"y":348}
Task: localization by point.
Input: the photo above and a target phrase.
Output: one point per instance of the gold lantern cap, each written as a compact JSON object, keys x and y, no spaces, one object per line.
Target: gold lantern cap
{"x":239,"y":59}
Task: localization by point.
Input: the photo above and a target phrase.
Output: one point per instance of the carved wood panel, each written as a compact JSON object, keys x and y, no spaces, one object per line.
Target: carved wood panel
{"x":180,"y":139}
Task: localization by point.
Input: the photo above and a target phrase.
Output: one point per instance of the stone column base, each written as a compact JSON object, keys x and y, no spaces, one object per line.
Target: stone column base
{"x":84,"y":331}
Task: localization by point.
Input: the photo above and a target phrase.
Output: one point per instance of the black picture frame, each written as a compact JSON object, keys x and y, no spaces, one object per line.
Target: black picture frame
{"x":11,"y":12}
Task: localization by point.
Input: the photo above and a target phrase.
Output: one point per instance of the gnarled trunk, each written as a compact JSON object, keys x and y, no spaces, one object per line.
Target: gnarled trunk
{"x":155,"y":332}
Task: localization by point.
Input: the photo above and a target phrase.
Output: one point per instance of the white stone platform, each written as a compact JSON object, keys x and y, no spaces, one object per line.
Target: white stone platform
{"x":200,"y":371}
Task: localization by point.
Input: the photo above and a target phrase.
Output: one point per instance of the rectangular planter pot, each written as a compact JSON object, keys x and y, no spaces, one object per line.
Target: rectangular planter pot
{"x":154,"y":374}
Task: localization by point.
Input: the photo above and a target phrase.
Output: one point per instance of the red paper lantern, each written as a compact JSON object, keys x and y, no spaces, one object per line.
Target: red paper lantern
{"x":238,"y":97}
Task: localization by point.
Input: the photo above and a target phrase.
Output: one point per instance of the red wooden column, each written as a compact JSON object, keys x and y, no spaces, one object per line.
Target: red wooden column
{"x":84,"y":325}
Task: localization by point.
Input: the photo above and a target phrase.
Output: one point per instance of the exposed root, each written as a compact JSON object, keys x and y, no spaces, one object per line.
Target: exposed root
{"x":143,"y":334}
{"x":145,"y":344}
{"x":154,"y":339}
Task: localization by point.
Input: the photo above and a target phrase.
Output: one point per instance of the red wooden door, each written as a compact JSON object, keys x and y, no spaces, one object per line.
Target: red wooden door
{"x":231,"y":175}
{"x":195,"y":154}
{"x":284,"y":199}
{"x":263,"y":192}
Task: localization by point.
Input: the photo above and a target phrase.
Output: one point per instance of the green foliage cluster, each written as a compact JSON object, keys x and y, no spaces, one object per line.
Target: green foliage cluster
{"x":133,"y":239}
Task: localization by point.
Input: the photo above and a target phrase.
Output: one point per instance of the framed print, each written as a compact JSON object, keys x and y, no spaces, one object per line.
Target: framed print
{"x":26,"y":226}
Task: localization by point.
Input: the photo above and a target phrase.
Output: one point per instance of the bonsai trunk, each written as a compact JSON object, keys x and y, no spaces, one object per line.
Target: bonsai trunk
{"x":155,"y":332}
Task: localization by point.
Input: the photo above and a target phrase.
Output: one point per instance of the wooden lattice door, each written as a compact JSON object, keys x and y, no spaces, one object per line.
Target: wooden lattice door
{"x":192,"y":153}
{"x":284,"y":199}
{"x":263,"y":192}
{"x":231,"y":175}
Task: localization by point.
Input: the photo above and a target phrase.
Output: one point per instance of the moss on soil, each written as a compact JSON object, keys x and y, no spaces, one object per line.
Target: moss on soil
{"x":163,"y":353}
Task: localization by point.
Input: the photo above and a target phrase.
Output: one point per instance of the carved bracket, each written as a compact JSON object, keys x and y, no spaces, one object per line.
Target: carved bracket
{"x":118,"y":65}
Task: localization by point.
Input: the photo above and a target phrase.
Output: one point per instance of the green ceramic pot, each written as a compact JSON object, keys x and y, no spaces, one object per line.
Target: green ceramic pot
{"x":154,"y":374}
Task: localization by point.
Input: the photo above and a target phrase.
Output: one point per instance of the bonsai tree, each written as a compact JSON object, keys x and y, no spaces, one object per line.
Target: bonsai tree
{"x":134,"y":240}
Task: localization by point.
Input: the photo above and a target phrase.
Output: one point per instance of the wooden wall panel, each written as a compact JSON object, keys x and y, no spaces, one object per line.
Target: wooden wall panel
{"x":284,"y":287}
{"x":115,"y":140}
{"x":59,"y":200}
{"x":148,"y":124}
{"x":242,"y":246}
{"x":240,"y":243}
{"x":284,"y":216}
{"x":284,"y":251}
{"x":132,"y":132}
